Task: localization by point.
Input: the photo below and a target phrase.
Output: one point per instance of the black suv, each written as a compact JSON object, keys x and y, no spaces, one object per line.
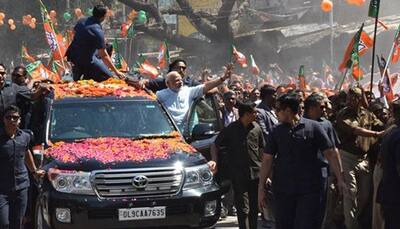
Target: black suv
{"x":175,"y":191}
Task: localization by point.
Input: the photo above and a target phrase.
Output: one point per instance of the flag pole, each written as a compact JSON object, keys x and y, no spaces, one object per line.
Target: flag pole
{"x":388,"y":60}
{"x":340,"y":84}
{"x":52,"y":27}
{"x":374,"y":11}
{"x":373,"y":52}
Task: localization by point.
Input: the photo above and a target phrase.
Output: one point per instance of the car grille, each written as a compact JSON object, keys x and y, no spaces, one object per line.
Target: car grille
{"x":119,"y":183}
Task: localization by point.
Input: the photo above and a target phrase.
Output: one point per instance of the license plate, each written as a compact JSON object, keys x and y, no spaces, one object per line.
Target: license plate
{"x":125,"y":214}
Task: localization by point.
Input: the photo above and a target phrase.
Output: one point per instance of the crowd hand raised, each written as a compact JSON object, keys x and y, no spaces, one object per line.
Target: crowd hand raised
{"x":228,"y":71}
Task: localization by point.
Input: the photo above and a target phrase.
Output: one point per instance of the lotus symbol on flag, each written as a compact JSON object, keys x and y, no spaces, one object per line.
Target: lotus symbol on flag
{"x":51,"y":40}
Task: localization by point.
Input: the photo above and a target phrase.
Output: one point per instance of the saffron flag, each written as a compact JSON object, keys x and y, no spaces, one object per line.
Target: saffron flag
{"x":145,"y":68}
{"x":386,"y":82}
{"x":253,"y":66}
{"x":163,"y":55}
{"x":360,"y":43}
{"x":396,"y":52}
{"x":302,"y":78}
{"x":55,"y":41}
{"x":25,"y":55}
{"x":39,"y":72}
{"x":387,"y":88}
{"x":238,"y":57}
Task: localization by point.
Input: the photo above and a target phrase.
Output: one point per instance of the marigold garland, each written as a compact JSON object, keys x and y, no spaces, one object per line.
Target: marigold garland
{"x":91,"y":88}
{"x":110,"y":149}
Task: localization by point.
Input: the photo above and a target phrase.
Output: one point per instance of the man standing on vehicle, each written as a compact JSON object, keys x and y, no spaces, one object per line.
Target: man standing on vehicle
{"x":178,"y":98}
{"x":89,"y":41}
{"x":292,"y":148}
{"x":244,"y":141}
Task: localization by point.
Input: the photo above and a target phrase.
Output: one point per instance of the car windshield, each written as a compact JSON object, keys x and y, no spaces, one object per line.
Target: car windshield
{"x":123,"y":118}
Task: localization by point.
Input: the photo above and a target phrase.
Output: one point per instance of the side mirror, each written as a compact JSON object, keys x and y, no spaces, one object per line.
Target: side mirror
{"x":202,"y":131}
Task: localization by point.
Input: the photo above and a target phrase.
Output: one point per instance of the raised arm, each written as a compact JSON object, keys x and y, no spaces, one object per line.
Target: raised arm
{"x":214,"y":83}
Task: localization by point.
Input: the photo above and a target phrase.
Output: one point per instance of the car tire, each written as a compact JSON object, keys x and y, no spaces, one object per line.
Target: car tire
{"x":40,"y":222}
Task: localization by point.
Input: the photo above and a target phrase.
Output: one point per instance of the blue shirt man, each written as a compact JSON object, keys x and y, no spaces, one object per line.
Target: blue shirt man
{"x":14,"y":180}
{"x":89,"y":41}
{"x":292,"y":148}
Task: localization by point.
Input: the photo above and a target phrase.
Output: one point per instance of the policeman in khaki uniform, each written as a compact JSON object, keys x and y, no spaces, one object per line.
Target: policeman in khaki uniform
{"x":358,"y":130}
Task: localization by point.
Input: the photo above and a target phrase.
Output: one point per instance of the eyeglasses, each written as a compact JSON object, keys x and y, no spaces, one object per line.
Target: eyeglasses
{"x":2,"y":73}
{"x":13,"y":117}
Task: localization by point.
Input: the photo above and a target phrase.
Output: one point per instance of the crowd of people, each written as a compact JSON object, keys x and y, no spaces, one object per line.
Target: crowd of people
{"x":303,"y":159}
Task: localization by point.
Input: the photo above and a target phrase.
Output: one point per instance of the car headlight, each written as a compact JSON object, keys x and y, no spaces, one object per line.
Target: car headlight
{"x":198,"y":176}
{"x":70,"y":181}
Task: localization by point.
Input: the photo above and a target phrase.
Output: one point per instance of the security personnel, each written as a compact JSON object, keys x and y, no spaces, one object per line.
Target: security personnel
{"x":314,"y":109}
{"x":245,"y":143}
{"x":13,"y":94}
{"x":89,"y":41}
{"x":266,"y":116}
{"x":358,"y":130}
{"x":292,"y":147}
{"x":388,"y":194}
{"x":14,"y":180}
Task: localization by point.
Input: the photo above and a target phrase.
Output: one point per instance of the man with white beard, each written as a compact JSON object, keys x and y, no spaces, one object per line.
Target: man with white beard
{"x":178,"y":98}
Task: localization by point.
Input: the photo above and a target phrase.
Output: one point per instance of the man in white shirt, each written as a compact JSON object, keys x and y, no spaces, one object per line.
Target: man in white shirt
{"x":177,"y":98}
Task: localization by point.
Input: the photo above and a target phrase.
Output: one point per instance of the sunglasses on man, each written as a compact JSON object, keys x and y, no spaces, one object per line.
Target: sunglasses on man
{"x":13,"y":117}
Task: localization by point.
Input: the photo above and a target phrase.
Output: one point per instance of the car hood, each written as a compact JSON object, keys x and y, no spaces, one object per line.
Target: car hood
{"x":120,"y":153}
{"x":187,"y":159}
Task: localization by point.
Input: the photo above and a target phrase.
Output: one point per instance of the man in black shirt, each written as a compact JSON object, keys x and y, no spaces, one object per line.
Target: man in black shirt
{"x":293,"y":146}
{"x":314,"y":108}
{"x":14,"y":180}
{"x":244,"y":142}
{"x":388,"y":194}
{"x":13,"y":94}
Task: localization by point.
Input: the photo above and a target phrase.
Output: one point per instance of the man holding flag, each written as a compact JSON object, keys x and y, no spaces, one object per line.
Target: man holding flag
{"x":89,"y":38}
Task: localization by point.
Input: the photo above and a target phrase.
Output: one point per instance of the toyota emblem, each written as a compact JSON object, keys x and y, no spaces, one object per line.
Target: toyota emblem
{"x":140,"y":181}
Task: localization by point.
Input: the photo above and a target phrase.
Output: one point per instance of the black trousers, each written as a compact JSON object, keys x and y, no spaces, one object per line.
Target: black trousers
{"x":12,"y":209}
{"x":392,"y":217}
{"x":96,"y":70}
{"x":246,"y":204}
{"x":295,"y":211}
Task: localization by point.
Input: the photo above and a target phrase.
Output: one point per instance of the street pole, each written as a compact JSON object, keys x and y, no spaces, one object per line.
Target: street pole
{"x":332,"y":37}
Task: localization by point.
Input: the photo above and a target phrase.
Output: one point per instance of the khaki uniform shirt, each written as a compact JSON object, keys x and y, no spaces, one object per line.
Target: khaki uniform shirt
{"x":347,"y":121}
